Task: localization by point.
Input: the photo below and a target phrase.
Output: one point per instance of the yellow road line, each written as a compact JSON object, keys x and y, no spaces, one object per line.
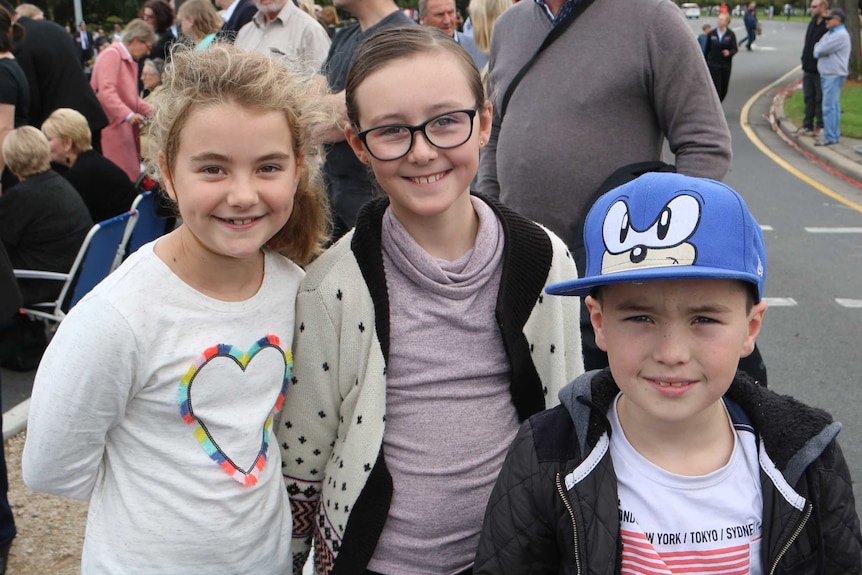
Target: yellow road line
{"x":743,"y":122}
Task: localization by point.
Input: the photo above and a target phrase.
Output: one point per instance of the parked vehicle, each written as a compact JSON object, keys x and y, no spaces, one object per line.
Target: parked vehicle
{"x":691,"y":10}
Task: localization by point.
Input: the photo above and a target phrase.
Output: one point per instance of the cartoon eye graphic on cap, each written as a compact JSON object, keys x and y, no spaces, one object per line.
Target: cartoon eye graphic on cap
{"x":660,"y":243}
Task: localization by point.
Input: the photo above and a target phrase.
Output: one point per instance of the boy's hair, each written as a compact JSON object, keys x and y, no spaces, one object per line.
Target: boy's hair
{"x":69,"y":123}
{"x":26,"y":152}
{"x":706,"y":28}
{"x":392,"y":44}
{"x":221,"y":74}
{"x":665,"y":226}
{"x":205,"y":19}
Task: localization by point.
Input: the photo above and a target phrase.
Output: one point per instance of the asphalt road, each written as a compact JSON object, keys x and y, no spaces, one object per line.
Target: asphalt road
{"x":812,"y":333}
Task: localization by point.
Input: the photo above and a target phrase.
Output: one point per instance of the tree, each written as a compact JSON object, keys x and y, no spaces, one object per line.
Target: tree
{"x":96,"y":12}
{"x":851,"y":10}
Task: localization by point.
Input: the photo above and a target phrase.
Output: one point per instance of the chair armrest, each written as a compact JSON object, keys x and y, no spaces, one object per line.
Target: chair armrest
{"x":40,"y":275}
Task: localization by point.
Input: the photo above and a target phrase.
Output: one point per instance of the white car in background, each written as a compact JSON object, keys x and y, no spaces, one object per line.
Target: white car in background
{"x":691,"y":10}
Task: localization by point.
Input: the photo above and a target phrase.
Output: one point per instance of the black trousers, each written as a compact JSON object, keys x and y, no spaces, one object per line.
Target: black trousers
{"x":813,"y":95}
{"x":721,"y":78}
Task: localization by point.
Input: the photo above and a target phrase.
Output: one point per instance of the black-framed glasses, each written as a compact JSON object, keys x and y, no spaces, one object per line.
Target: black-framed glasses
{"x":393,"y":141}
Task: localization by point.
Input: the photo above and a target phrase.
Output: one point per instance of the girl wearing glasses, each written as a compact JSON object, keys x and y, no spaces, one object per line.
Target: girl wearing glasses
{"x":423,"y":336}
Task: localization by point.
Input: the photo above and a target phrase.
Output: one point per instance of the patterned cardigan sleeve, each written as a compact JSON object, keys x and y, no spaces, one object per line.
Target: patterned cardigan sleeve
{"x":310,"y":417}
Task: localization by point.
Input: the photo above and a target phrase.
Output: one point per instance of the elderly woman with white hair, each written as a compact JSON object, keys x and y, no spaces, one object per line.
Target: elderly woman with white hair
{"x":104,"y":186}
{"x":43,"y":220}
{"x":115,"y":81}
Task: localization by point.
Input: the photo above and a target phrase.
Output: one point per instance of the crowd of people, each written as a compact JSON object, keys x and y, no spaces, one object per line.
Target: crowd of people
{"x":825,"y":63}
{"x":405,"y":317}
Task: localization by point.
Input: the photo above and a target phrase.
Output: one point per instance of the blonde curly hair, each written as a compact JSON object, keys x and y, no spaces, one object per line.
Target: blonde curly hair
{"x":222,"y":74}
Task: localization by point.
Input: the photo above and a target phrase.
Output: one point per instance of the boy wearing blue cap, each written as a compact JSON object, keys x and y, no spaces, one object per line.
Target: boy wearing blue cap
{"x":671,"y":461}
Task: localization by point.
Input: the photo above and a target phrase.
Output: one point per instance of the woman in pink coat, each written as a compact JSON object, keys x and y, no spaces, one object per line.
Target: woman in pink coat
{"x":115,"y":80}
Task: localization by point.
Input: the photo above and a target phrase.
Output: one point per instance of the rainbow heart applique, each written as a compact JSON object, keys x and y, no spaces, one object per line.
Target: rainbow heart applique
{"x":230,"y":409}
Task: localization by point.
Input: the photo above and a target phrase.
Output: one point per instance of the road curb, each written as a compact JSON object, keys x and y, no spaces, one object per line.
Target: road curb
{"x":15,"y":420}
{"x":828,"y":156}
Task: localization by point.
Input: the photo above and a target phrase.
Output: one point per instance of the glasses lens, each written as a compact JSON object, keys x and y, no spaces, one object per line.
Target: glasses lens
{"x":447,"y":130}
{"x":388,"y":142}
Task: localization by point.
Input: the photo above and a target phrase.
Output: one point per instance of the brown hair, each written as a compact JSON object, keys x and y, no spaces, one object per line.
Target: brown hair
{"x":7,"y":21}
{"x":205,"y":19}
{"x":221,"y":74}
{"x":399,"y":43}
{"x":330,"y":15}
{"x":163,"y":13}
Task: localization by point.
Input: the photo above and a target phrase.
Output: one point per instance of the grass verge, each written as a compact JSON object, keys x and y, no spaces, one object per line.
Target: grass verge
{"x":851,"y":109}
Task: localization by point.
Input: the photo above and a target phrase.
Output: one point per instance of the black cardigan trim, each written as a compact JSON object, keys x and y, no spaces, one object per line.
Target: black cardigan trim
{"x":527,"y":259}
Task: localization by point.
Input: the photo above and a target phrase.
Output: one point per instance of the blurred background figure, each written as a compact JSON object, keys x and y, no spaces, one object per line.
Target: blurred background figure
{"x":701,"y":38}
{"x":236,"y":14}
{"x":105,"y":188}
{"x":10,"y":301}
{"x":283,"y":29}
{"x":750,"y":20}
{"x":159,"y":16}
{"x":483,"y":15}
{"x":199,"y":21}
{"x":115,"y":81}
{"x":151,"y":76}
{"x":14,"y":91}
{"x":43,"y":220}
{"x":329,"y":16}
{"x":155,"y":94}
{"x":84,"y":40}
{"x":721,"y":47}
{"x":30,"y":11}
{"x":443,"y":15}
{"x":50,"y":61}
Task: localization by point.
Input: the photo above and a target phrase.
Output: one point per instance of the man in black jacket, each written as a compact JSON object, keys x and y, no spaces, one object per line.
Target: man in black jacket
{"x":84,"y":40}
{"x":51,"y":63}
{"x":237,"y":13}
{"x":810,"y":77}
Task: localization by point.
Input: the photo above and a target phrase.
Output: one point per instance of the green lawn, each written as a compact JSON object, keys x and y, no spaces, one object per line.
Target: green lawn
{"x":851,"y":109}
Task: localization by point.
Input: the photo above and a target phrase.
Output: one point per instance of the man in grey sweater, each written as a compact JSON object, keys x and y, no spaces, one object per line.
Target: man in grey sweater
{"x":606,"y":93}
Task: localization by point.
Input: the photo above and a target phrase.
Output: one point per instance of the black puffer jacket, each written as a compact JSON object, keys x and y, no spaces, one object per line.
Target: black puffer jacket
{"x":554,"y":507}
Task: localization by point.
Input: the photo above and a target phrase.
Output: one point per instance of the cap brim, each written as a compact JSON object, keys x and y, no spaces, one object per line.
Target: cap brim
{"x":583,"y":286}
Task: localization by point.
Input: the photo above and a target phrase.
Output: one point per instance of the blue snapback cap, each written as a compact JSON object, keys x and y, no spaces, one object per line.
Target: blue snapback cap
{"x":664,"y":226}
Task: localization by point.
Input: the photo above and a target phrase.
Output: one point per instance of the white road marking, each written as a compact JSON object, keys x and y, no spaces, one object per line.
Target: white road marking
{"x":815,"y":230}
{"x":780,"y":301}
{"x":844,"y":302}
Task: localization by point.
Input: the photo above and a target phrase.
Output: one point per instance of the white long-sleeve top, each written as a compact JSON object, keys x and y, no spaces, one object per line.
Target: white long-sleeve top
{"x":155,"y":403}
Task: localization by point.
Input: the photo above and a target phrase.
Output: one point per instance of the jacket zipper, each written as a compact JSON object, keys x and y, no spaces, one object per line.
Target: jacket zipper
{"x":574,"y":525}
{"x":793,"y":537}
